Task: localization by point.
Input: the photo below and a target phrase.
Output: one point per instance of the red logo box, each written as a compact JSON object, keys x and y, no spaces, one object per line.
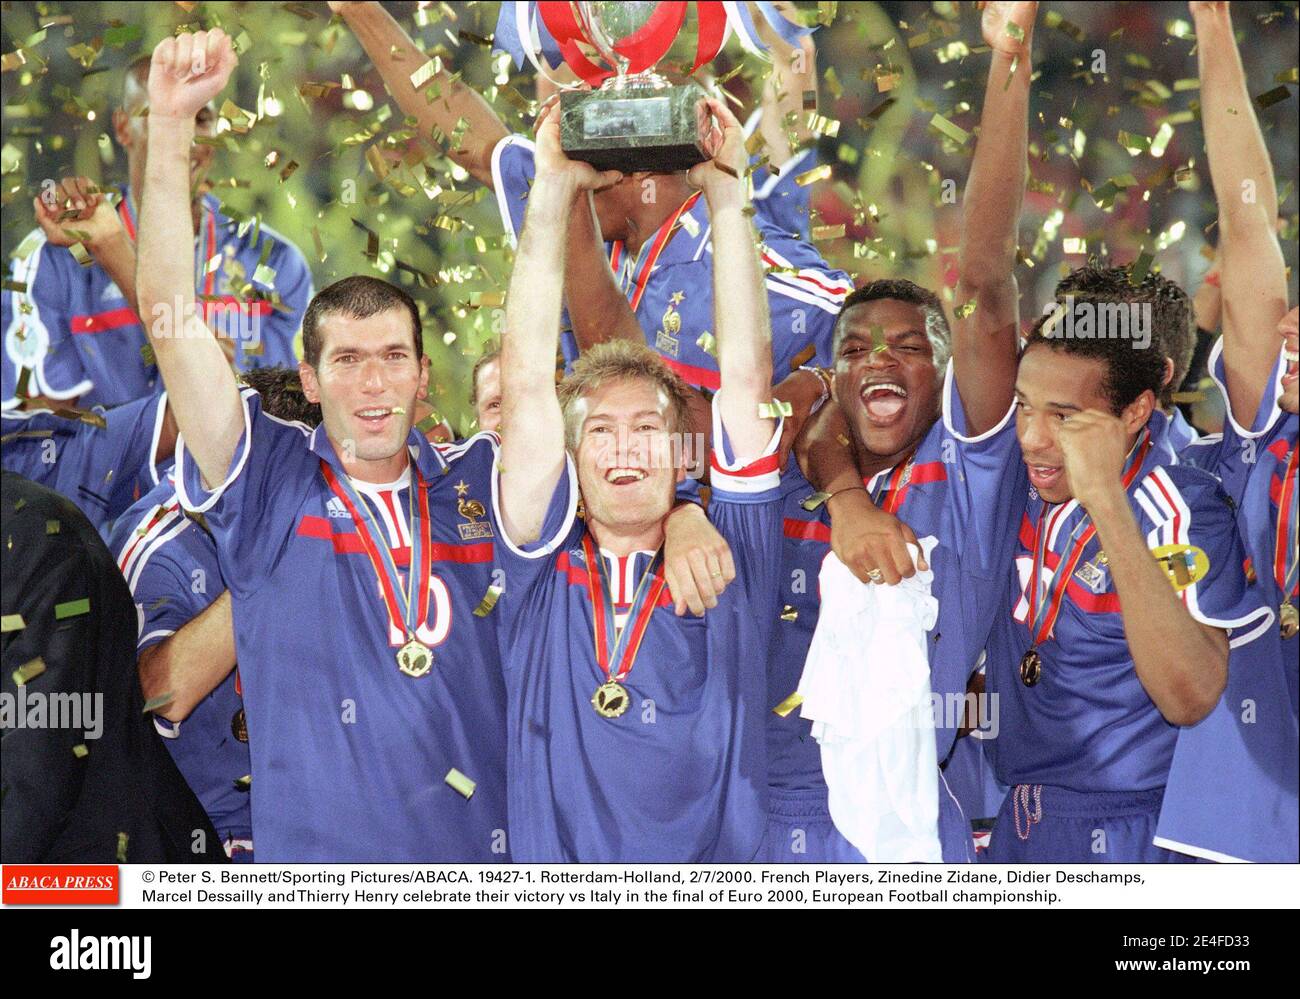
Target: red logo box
{"x":60,"y":884}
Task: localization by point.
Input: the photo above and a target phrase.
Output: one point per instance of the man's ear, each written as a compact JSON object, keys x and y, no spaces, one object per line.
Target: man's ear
{"x":1137,"y":412}
{"x":1168,"y":376}
{"x":122,"y":128}
{"x":425,"y":368}
{"x":310,"y":386}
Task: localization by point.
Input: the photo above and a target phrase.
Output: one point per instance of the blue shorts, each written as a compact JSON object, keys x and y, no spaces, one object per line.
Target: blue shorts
{"x":800,"y":830}
{"x":1041,"y":824}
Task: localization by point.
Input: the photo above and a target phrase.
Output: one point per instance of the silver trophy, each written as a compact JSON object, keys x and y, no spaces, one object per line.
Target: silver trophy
{"x":636,"y":121}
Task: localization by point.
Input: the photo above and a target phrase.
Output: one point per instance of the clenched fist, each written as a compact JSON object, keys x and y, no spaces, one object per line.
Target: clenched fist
{"x":188,"y":71}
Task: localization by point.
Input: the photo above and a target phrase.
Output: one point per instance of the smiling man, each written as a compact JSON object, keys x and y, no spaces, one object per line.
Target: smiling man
{"x":646,"y":743}
{"x":1126,"y":596}
{"x":355,"y":554}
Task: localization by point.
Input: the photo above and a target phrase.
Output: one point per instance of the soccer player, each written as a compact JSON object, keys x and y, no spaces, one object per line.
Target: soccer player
{"x":186,"y":643}
{"x":657,"y":228}
{"x":359,"y":557}
{"x":930,"y":442}
{"x":355,"y":554}
{"x":1232,"y":792}
{"x":95,"y":458}
{"x":75,"y":332}
{"x":647,"y":743}
{"x":1126,"y":595}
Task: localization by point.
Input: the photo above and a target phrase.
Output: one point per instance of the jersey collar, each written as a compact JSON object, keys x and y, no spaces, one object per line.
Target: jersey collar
{"x":426,"y":456}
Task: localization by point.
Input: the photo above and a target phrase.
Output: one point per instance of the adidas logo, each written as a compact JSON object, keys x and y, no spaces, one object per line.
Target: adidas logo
{"x":335,"y":508}
{"x":112,"y":293}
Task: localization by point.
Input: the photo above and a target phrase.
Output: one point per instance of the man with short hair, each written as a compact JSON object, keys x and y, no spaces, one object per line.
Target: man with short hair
{"x":73,"y":332}
{"x":1126,"y":596}
{"x":645,"y":744}
{"x":355,"y":554}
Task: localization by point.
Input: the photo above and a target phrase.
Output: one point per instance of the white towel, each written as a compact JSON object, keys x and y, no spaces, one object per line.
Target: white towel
{"x":866,"y":688}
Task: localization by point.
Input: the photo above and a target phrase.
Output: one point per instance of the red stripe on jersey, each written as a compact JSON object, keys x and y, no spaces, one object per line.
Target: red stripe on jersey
{"x":806,"y":530}
{"x":1093,"y":603}
{"x":759,"y":466}
{"x":102,"y":322}
{"x":1275,"y":490}
{"x":1279,"y":449}
{"x":577,"y":576}
{"x":142,"y":535}
{"x":1027,"y":534}
{"x":930,"y":471}
{"x":702,"y":377}
{"x":349,"y":543}
{"x":828,"y":289}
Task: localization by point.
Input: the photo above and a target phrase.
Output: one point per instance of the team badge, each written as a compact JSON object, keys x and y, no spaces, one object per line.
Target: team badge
{"x":1183,"y":564}
{"x":670,"y":325}
{"x":473,"y":511}
{"x":1092,"y":576}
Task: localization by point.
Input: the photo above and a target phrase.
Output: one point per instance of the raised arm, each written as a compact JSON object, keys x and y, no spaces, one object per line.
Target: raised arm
{"x":396,"y":57}
{"x":532,"y":449}
{"x":794,"y":73}
{"x":598,"y":309}
{"x":185,"y":74}
{"x":985,"y":340}
{"x":1253,"y":273}
{"x":740,"y":318}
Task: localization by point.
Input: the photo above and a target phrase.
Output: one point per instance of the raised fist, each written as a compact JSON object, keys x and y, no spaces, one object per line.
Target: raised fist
{"x":189,"y":71}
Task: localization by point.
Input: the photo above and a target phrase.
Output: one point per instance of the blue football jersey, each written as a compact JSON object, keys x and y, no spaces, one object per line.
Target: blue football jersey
{"x":1233,"y":785}
{"x":350,"y":756}
{"x":98,"y":468}
{"x":959,"y":489}
{"x":681,"y":776}
{"x":1088,"y":724}
{"x":73,"y":331}
{"x":669,"y":282}
{"x":170,"y":564}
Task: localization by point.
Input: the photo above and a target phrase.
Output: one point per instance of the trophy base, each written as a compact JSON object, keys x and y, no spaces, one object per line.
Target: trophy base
{"x":632,"y":129}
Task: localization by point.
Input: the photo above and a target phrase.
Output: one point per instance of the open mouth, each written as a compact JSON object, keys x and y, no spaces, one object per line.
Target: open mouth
{"x":1044,"y":477}
{"x":377,"y":418}
{"x":625,"y":476}
{"x":884,"y":402}
{"x":1292,"y":360}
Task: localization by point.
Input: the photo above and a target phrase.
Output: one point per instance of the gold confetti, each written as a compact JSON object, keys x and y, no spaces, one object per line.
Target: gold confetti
{"x":1188,"y":397}
{"x":964,"y":309}
{"x":81,"y":254}
{"x":820,"y":232}
{"x":72,"y":608}
{"x":812,"y":176}
{"x":12,"y":60}
{"x":771,"y":410}
{"x":11,"y":622}
{"x":426,"y":72}
{"x":814,"y":501}
{"x":1270,"y":97}
{"x":80,"y":751}
{"x":123,"y":838}
{"x":29,"y":670}
{"x":460,"y":783}
{"x":789,"y":704}
{"x":708,"y":343}
{"x":955,"y":132}
{"x":489,"y":601}
{"x":1138,"y":271}
{"x":243,"y":783}
{"x":789,"y":614}
{"x":52,"y":527}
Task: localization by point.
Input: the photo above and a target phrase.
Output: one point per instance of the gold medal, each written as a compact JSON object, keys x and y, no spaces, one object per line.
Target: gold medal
{"x":239,"y":726}
{"x":414,"y":658}
{"x":610,"y":699}
{"x":1289,"y":621}
{"x":1031,"y":667}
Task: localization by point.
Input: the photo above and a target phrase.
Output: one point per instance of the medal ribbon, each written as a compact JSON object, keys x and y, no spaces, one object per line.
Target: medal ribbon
{"x":647,"y":264}
{"x":398,"y":603}
{"x":1043,"y":615}
{"x":616,"y":655}
{"x":1284,"y":554}
{"x":888,"y":496}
